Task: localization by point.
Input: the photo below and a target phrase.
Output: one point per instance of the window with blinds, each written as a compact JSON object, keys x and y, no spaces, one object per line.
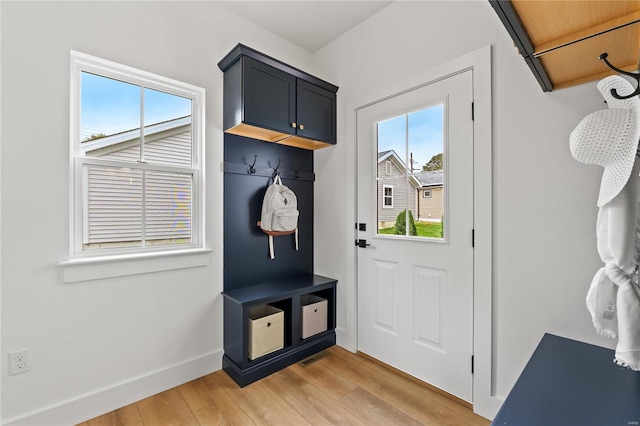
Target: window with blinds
{"x":137,"y":150}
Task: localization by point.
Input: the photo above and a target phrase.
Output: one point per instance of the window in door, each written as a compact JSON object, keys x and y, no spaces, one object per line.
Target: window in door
{"x":411,"y":156}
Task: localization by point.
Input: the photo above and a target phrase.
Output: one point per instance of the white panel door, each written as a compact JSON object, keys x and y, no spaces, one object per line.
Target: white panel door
{"x":415,"y":212}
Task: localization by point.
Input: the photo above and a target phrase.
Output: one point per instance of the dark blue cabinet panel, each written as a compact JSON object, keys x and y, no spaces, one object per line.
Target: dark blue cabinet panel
{"x":246,"y":249}
{"x":269,"y":97}
{"x":316,"y":112}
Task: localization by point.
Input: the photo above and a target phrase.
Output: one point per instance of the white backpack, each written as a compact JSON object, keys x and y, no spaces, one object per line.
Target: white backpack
{"x":279,"y":213}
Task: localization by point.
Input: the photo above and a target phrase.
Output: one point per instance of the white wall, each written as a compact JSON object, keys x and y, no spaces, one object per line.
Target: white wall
{"x":542,"y":263}
{"x":100,"y":344}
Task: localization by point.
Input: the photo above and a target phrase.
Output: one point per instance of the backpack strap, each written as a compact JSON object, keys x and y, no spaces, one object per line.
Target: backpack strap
{"x":271,"y":234}
{"x":271,"y":255}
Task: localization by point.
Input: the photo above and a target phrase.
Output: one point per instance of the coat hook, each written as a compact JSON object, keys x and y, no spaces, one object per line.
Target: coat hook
{"x":275,"y":171}
{"x":252,"y":169}
{"x":635,"y":76}
{"x":296,"y":171}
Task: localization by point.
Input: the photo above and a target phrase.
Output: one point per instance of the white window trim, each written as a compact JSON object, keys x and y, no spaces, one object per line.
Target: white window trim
{"x":100,"y":267}
{"x":384,"y":205}
{"x":153,"y":258}
{"x":424,"y":193}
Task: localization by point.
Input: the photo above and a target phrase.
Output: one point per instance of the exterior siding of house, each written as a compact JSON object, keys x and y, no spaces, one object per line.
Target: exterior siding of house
{"x":402,"y":190}
{"x":168,"y":195}
{"x":431,"y":208}
{"x":172,"y":149}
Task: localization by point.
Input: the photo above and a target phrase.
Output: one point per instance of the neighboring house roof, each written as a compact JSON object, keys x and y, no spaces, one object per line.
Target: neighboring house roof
{"x":122,"y":140}
{"x":431,"y":178}
{"x":393,"y":157}
{"x":383,"y":155}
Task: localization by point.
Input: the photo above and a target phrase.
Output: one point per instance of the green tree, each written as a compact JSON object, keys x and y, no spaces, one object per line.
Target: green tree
{"x":94,"y":136}
{"x":401,"y":224}
{"x":434,"y":164}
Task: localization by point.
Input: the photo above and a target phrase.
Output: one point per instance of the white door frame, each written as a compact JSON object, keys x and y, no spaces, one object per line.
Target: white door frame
{"x":484,"y":401}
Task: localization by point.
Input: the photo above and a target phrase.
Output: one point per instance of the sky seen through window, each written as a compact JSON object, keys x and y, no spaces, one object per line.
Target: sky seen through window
{"x":110,"y":106}
{"x":425,"y":135}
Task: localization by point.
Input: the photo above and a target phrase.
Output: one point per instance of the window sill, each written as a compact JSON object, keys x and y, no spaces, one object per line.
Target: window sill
{"x":95,"y":268}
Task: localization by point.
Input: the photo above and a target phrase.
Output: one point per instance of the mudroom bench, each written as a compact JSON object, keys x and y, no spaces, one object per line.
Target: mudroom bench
{"x":299,"y":321}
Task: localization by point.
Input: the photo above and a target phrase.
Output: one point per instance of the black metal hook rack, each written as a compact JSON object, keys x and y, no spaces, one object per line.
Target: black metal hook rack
{"x":270,"y":172}
{"x":635,"y":76}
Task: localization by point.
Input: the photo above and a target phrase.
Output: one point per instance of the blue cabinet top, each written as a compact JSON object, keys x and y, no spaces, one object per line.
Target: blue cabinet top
{"x":241,"y":50}
{"x":280,"y":289}
{"x":567,"y":382}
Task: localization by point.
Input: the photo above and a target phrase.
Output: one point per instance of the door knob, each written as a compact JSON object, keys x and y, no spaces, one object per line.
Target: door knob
{"x":362,"y":243}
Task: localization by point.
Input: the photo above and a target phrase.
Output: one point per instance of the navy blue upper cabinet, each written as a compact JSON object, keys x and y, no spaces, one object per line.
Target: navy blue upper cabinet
{"x":269,"y":100}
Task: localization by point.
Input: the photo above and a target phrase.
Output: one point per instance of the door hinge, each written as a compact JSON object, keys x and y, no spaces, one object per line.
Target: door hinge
{"x":473,"y":238}
{"x":473,"y":113}
{"x":471,"y":364}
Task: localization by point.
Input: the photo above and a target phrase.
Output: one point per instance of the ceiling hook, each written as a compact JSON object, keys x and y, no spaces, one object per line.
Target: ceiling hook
{"x":635,"y":76}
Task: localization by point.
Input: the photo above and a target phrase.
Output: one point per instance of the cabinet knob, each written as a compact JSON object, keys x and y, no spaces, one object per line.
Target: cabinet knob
{"x":294,"y":125}
{"x":302,"y":127}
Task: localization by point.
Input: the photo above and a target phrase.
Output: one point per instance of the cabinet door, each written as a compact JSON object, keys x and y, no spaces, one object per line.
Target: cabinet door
{"x":316,"y":112}
{"x":269,"y":97}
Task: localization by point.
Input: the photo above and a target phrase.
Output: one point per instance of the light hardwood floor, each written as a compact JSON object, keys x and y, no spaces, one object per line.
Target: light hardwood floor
{"x":334,"y":388}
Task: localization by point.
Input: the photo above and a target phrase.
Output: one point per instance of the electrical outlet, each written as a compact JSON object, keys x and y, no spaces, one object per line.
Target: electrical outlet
{"x":19,"y":362}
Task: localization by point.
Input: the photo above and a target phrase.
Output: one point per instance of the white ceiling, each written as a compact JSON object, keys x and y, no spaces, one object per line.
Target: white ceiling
{"x":309,"y":24}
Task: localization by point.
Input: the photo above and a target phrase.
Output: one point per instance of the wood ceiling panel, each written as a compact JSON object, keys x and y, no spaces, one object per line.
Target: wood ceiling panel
{"x":578,"y":63}
{"x":546,"y":21}
{"x":561,"y":40}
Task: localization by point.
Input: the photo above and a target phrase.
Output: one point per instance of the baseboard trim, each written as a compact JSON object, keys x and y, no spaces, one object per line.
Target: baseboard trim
{"x":488,"y":407}
{"x":344,"y":340}
{"x":103,"y":401}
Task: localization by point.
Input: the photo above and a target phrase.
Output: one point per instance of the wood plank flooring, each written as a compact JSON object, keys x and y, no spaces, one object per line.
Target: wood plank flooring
{"x":334,"y":388}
